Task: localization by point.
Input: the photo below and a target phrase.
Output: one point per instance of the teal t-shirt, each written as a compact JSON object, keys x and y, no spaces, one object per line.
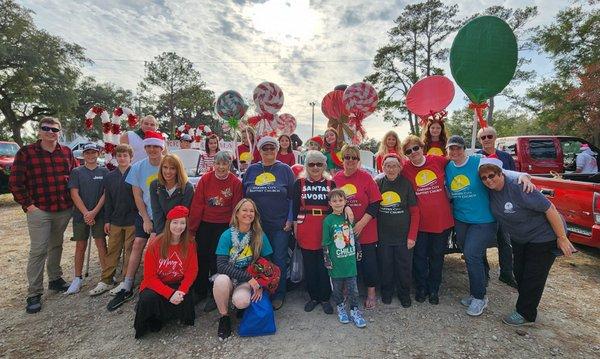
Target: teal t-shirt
{"x":225,"y":248}
{"x":338,"y":237}
{"x":470,"y":198}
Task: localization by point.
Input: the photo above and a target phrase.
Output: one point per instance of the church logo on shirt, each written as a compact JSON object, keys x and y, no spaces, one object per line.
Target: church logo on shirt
{"x":459,"y":183}
{"x":349,"y":189}
{"x":245,"y":156}
{"x":264,"y":179}
{"x":425,"y":178}
{"x":508,"y":208}
{"x":436,"y":151}
{"x":390,"y":198}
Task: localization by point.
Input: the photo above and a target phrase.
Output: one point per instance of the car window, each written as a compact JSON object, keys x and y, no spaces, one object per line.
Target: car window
{"x":542,"y":149}
{"x":8,"y":149}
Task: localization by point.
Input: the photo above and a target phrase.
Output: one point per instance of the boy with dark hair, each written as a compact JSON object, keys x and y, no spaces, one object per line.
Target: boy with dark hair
{"x":86,"y":184}
{"x":119,"y":217}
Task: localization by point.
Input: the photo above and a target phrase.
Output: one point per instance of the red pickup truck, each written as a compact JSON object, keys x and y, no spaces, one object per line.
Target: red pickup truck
{"x":576,"y":196}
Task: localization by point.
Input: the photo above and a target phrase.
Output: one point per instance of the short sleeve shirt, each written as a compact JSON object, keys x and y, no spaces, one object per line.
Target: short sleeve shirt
{"x":90,"y":184}
{"x":142,"y":173}
{"x":338,"y":237}
{"x":225,"y":248}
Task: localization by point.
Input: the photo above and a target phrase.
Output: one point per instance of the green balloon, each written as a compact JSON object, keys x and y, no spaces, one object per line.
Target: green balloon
{"x":483,"y":57}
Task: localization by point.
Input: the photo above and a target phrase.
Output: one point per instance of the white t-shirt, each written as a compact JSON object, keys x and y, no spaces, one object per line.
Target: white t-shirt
{"x":587,"y":162}
{"x":136,"y":142}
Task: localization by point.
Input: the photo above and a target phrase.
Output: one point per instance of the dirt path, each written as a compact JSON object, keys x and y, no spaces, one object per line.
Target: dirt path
{"x":79,"y":326}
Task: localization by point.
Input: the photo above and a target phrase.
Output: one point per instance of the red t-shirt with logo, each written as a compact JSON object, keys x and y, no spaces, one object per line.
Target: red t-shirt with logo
{"x":436,"y":148}
{"x":361,"y":190}
{"x":429,"y":181}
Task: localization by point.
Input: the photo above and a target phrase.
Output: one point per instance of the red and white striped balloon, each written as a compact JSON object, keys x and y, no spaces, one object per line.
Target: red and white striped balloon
{"x":286,"y":123}
{"x":361,"y":98}
{"x":268,"y":97}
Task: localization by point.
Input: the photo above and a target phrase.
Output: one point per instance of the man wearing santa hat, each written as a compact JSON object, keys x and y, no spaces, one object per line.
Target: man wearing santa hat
{"x":140,"y":176}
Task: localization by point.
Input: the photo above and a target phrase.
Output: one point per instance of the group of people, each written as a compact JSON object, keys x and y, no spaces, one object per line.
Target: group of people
{"x":201,"y":241}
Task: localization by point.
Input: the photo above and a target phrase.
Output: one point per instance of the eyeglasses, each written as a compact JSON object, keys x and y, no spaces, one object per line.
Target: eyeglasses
{"x":488,"y":177}
{"x":353,"y":158}
{"x":408,"y":151}
{"x":489,"y":137}
{"x":267,"y":148}
{"x":318,"y":164}
{"x":48,"y":129}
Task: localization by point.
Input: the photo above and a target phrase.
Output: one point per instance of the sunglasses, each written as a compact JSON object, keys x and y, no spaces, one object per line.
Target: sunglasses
{"x":408,"y":151}
{"x":489,"y":137}
{"x":318,"y":164}
{"x":268,"y":148}
{"x":488,"y":177}
{"x":353,"y":158}
{"x":48,"y":129}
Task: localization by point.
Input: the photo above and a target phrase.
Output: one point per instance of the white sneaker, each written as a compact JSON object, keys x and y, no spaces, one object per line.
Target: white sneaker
{"x":477,"y":306}
{"x":100,"y":288}
{"x":116,"y":289}
{"x":75,"y":286}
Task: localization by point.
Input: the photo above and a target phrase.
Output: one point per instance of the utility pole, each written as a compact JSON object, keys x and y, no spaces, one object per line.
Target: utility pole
{"x":312,"y":127}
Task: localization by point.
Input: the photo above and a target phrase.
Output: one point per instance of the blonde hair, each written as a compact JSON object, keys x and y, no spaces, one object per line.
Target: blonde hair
{"x":383,"y":149}
{"x":164,"y":239}
{"x":410,"y":139}
{"x":257,"y":231}
{"x":124,"y":148}
{"x":251,"y":133}
{"x":351,"y":150}
{"x":173,"y":160}
{"x":50,"y":121}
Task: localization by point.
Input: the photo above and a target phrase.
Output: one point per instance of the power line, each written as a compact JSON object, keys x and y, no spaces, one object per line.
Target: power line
{"x":248,"y":62}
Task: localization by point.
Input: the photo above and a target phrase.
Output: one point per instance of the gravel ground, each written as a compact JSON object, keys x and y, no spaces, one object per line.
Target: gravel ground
{"x":79,"y":326}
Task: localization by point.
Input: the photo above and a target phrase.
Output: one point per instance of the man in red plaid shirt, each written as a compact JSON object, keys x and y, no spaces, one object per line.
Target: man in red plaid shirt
{"x":38,"y":182}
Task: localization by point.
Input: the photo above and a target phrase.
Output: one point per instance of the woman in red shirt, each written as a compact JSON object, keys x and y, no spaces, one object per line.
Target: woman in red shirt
{"x":247,"y":151}
{"x":216,"y":195}
{"x":435,"y":137}
{"x":170,"y":268}
{"x":390,"y":143}
{"x":363,"y":197}
{"x":285,"y":154}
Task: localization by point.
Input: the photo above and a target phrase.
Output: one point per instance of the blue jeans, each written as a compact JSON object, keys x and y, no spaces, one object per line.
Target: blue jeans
{"x":338,"y":291}
{"x":474,"y":239}
{"x":428,"y":260}
{"x":279,"y":240}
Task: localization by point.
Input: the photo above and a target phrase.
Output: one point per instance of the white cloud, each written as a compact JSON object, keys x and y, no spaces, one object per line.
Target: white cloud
{"x":238,"y":44}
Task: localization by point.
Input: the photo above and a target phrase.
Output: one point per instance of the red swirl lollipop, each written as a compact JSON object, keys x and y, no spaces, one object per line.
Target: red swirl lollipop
{"x":361,"y":99}
{"x":268,"y":97}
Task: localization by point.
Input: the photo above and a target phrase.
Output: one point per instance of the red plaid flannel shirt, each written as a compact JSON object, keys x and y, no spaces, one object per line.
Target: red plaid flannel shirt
{"x":40,"y":177}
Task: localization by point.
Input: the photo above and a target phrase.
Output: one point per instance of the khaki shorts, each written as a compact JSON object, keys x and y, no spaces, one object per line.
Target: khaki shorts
{"x":81,"y":231}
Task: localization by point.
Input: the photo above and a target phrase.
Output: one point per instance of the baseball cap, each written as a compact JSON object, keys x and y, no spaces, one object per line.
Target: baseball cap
{"x":90,"y":146}
{"x":456,"y":140}
{"x":267,"y":140}
{"x":186,"y":137}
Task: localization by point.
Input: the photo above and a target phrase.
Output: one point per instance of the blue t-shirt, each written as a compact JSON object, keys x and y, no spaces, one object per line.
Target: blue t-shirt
{"x":142,"y":173}
{"x":271,"y":188}
{"x":522,"y":214}
{"x":470,"y":199}
{"x":225,"y":248}
{"x":90,"y":184}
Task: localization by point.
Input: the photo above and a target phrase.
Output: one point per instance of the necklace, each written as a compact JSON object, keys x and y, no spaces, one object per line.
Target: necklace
{"x":238,"y":245}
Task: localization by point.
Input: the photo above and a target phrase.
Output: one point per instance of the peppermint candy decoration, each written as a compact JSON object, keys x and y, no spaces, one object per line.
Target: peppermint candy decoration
{"x":286,"y":123}
{"x":230,"y":104}
{"x":360,"y":99}
{"x":268,"y":97}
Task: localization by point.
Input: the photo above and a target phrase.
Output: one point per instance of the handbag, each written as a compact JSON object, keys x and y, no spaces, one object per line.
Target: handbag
{"x":266,"y":273}
{"x":258,"y":319}
{"x":297,"y":265}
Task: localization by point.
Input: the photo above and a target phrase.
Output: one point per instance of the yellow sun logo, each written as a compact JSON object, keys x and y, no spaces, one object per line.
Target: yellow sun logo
{"x":459,"y":183}
{"x":425,"y":178}
{"x":390,"y":198}
{"x":349,"y":189}
{"x":264,"y":179}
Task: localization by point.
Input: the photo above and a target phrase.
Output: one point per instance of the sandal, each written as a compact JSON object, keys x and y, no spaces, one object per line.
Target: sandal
{"x":100,"y":288}
{"x":370,"y":302}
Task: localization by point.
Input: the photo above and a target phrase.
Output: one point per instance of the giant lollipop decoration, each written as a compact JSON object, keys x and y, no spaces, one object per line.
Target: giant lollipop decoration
{"x":231,"y":107}
{"x":483,"y":59}
{"x":334,"y":109}
{"x":360,"y":100}
{"x":286,"y":123}
{"x":268,"y":99}
{"x":429,"y":97}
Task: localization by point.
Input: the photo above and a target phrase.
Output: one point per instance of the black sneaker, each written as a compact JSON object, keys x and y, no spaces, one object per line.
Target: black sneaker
{"x":386,"y":299}
{"x":434,"y":299}
{"x":210,"y":305}
{"x":239,"y":313}
{"x":310,"y":305}
{"x":327,"y":308}
{"x":405,"y":300}
{"x":34,"y":304}
{"x":121,"y":297}
{"x":224,"y":331}
{"x":509,"y":279}
{"x":58,"y":285}
{"x":420,"y":296}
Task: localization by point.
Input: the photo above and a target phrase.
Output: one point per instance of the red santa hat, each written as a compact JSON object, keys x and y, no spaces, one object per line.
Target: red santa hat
{"x":154,"y":138}
{"x":178,"y":212}
{"x":318,"y":140}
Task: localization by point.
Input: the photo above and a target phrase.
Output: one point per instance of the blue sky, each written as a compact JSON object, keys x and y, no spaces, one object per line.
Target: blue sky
{"x":237,"y":44}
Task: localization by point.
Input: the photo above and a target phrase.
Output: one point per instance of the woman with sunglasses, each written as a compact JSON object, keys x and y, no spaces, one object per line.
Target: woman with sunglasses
{"x":270,"y":183}
{"x":538,"y":235}
{"x":475,"y":224}
{"x":363,"y":197}
{"x":427,"y":177}
{"x":310,"y":207}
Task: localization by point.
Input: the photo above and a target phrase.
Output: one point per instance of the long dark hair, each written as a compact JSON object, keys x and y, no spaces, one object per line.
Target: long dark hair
{"x":426,"y":136}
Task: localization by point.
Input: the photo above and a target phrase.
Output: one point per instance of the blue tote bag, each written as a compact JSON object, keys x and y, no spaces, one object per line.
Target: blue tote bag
{"x":258,"y":319}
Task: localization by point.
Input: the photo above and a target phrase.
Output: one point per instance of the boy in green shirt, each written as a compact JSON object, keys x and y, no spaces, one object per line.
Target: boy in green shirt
{"x":339,"y":249}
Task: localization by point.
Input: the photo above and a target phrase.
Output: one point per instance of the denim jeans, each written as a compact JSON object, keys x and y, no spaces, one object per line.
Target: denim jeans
{"x":474,"y":239}
{"x":338,"y":291}
{"x":279,"y":240}
{"x":428,"y":260}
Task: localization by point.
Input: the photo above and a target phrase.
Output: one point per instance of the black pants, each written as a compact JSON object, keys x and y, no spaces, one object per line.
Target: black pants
{"x":532,"y":264}
{"x":505,"y":255}
{"x":395,"y":269}
{"x":429,"y":260}
{"x":153,"y":310}
{"x":315,"y":275}
{"x":367,"y":267}
{"x":207,"y":238}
